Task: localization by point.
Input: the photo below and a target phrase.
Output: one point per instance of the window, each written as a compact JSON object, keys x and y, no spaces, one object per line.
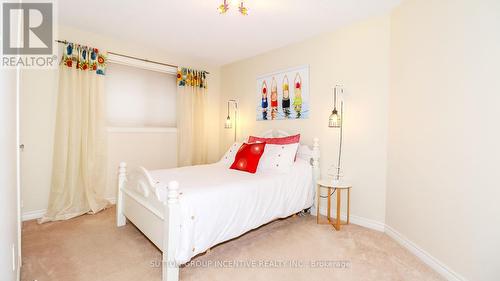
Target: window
{"x":138,"y":97}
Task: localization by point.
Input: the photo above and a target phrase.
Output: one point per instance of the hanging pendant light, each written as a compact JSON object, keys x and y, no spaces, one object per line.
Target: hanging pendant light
{"x":335,"y":120}
{"x":229,"y":124}
{"x":224,"y":7}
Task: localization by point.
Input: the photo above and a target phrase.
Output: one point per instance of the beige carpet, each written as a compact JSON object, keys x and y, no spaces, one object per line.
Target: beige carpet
{"x":91,"y":248}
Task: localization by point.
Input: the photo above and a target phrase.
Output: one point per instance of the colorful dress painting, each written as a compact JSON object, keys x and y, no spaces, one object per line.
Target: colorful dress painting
{"x":274,"y":99}
{"x":285,"y":102}
{"x":283,"y":95}
{"x":297,"y":101}
{"x":264,"y":103}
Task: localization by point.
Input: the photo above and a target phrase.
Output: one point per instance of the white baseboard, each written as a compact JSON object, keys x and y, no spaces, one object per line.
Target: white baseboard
{"x":427,"y":258}
{"x":368,"y":223}
{"x":361,"y":221}
{"x":33,"y":215}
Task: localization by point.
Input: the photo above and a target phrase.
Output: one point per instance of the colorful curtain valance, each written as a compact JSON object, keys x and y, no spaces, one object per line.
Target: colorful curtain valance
{"x":84,"y":58}
{"x":191,"y":77}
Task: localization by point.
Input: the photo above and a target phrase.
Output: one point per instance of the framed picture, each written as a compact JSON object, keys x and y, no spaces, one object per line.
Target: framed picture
{"x":283,"y":95}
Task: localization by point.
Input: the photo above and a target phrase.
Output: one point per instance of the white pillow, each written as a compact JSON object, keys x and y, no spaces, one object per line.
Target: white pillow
{"x":278,"y":157}
{"x":230,"y":154}
{"x":304,"y":152}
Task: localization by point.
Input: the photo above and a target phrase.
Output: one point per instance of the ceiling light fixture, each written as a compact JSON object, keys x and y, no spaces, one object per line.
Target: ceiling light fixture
{"x":224,"y":7}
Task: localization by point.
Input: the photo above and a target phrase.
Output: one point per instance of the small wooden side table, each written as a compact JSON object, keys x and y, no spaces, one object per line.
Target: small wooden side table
{"x":328,"y":184}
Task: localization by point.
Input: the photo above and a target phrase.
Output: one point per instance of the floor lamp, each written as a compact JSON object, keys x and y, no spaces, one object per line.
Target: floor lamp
{"x":229,"y":124}
{"x":336,"y":120}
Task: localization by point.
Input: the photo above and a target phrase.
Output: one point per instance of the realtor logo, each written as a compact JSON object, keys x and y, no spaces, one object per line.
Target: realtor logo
{"x":27,"y":28}
{"x":28,"y":34}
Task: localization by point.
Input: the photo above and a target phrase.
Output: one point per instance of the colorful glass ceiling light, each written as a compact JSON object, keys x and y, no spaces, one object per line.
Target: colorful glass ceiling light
{"x":224,"y":7}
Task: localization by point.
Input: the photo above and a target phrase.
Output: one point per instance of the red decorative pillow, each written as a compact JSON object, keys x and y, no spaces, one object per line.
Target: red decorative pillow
{"x":283,"y":140}
{"x":248,"y":157}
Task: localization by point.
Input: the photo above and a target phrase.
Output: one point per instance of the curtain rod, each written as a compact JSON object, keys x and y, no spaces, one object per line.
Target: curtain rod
{"x":131,"y":57}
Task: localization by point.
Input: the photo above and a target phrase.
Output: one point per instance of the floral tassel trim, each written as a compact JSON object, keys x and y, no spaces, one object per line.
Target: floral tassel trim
{"x":84,"y":58}
{"x":191,"y":78}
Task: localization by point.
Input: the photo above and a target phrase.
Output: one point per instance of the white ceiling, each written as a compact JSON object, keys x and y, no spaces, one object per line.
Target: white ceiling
{"x":194,"y":27}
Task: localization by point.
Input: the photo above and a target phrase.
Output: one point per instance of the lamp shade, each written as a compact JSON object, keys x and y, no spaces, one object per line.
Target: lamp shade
{"x":335,"y":120}
{"x":228,"y":124}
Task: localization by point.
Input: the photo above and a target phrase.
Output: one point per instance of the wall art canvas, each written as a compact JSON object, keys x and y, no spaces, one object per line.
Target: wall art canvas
{"x":283,"y":95}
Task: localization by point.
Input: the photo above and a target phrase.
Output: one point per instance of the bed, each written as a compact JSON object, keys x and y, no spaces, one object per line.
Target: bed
{"x":186,"y":211}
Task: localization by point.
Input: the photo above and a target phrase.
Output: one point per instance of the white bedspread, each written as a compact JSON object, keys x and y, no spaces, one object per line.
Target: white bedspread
{"x":218,"y":204}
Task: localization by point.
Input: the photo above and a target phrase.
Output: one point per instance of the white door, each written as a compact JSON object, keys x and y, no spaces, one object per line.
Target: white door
{"x":9,"y":188}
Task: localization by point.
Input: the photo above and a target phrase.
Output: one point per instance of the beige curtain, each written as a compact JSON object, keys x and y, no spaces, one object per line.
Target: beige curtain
{"x":191,"y":118}
{"x":79,"y":164}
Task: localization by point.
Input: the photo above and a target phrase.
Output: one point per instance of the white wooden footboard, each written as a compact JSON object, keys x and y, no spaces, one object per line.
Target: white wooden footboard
{"x":154,"y":211}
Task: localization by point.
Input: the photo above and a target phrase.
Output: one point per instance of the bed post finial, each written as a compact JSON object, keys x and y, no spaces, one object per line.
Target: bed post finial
{"x":122,"y":170}
{"x":316,"y":169}
{"x":173,"y":192}
{"x":315,"y":153}
{"x":171,"y":230}
{"x":122,"y":178}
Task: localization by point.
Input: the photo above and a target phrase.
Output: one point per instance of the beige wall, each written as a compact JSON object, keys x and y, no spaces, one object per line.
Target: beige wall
{"x":38,"y":108}
{"x":444,"y":135}
{"x":338,"y":57}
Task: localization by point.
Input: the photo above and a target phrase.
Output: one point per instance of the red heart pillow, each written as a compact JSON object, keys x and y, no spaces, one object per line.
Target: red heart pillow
{"x":248,"y":157}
